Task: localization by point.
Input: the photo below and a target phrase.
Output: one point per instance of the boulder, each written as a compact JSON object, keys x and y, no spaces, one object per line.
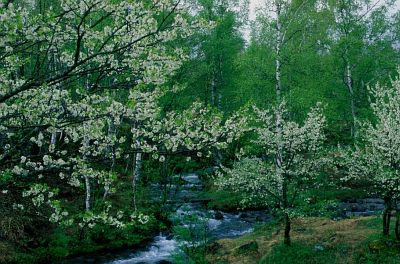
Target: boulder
{"x":218,"y":216}
{"x":243,"y":215}
{"x":358,"y":208}
{"x":374,"y":200}
{"x":169,"y":237}
{"x":319,"y":247}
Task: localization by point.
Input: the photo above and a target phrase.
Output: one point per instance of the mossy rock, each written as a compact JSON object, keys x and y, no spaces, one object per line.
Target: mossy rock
{"x":248,"y":248}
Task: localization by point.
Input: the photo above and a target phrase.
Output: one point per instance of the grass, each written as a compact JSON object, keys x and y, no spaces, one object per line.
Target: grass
{"x":314,"y":241}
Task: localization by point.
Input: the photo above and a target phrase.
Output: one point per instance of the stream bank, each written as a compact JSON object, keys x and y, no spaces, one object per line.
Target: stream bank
{"x":188,"y":203}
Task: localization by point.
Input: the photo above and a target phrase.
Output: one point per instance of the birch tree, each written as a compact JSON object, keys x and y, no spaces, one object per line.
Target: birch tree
{"x":210,"y":71}
{"x":282,"y":19}
{"x":279,"y":23}
{"x":354,"y":33}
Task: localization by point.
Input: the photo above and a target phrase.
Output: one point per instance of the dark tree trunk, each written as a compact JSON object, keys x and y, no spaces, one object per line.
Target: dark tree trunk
{"x":286,"y":240}
{"x":387,"y":216}
{"x":396,"y":229}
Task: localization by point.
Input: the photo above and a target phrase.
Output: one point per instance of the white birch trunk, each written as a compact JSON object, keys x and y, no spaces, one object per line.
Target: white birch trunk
{"x":278,"y":88}
{"x":138,"y":166}
{"x":136,"y":171}
{"x":213,"y":92}
{"x":53,"y":142}
{"x":111,"y":133}
{"x":349,"y":84}
{"x":87,"y":198}
{"x":87,"y":179}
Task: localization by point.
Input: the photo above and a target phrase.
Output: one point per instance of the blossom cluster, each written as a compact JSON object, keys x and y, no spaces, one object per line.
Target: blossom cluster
{"x":376,"y":158}
{"x":292,"y":158}
{"x":80,"y":88}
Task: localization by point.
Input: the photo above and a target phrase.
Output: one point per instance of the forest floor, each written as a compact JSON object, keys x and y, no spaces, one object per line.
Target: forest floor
{"x":314,"y":241}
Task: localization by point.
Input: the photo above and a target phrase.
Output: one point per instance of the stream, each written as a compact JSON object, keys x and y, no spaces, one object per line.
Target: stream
{"x":217,"y":224}
{"x":187,"y":201}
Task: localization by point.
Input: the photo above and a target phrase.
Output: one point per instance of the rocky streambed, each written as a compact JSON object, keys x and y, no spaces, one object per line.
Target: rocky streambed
{"x":360,"y":207}
{"x":188,"y":204}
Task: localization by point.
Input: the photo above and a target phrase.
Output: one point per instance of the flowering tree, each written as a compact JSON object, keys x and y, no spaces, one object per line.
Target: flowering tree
{"x":196,"y":131}
{"x":68,"y":71}
{"x":290,"y":166}
{"x":376,"y":158}
{"x":80,"y":85}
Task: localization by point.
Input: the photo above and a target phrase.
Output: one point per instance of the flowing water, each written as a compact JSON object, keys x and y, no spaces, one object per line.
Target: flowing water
{"x":218,"y":225}
{"x":158,"y":252}
{"x":187,"y":201}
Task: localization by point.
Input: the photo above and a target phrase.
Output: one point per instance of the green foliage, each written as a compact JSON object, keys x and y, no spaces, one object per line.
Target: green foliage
{"x":6,"y":177}
{"x":209,"y":75}
{"x":68,"y":80}
{"x":59,"y":244}
{"x":223,"y":200}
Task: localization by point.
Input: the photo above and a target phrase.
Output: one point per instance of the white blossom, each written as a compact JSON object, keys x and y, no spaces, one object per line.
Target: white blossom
{"x":298,"y":150}
{"x":376,"y":157}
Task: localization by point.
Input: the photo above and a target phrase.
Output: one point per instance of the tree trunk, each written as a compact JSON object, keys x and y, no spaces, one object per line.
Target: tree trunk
{"x":286,"y":240}
{"x":278,"y":85}
{"x":166,"y":181}
{"x":278,"y":48}
{"x":350,"y":87}
{"x":218,"y":157}
{"x":387,"y":216}
{"x":53,"y":142}
{"x":137,"y":164}
{"x":213,"y":92}
{"x":111,"y":148}
{"x":285,"y":206}
{"x":87,"y":181}
{"x":396,"y":229}
{"x":87,"y":198}
{"x":278,"y":90}
{"x":220,"y":82}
